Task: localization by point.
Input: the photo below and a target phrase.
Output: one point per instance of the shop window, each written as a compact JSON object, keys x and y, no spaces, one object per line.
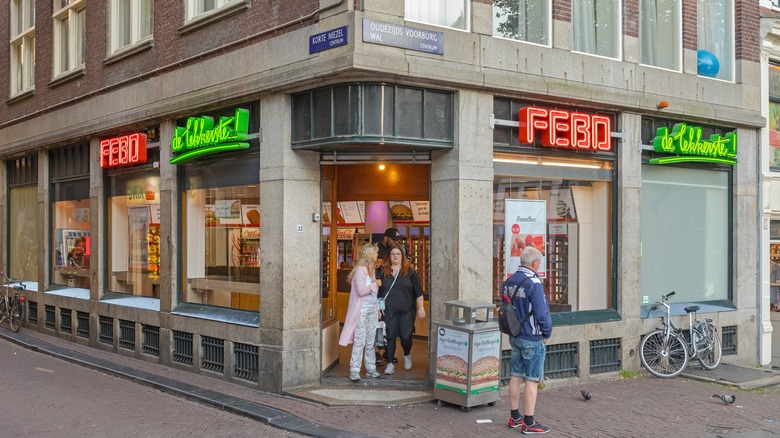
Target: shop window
{"x":131,"y":22}
{"x":685,"y":233}
{"x":22,"y":45}
{"x":134,"y":229}
{"x":70,"y":217}
{"x":221,"y":215}
{"x":596,"y":27}
{"x":23,"y":220}
{"x":565,"y":211}
{"x":660,"y":33}
{"x":448,"y":13}
{"x":715,"y":36}
{"x":522,"y":20}
{"x":774,"y":117}
{"x":372,"y":113}
{"x":69,"y":36}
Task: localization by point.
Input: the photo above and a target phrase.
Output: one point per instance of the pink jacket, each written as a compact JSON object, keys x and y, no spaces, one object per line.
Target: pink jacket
{"x":357,"y":291}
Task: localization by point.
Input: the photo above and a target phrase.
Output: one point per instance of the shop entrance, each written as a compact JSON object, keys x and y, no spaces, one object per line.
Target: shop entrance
{"x":360,"y":201}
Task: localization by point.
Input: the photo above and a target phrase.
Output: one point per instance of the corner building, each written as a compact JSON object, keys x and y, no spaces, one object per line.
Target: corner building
{"x":219,"y":163}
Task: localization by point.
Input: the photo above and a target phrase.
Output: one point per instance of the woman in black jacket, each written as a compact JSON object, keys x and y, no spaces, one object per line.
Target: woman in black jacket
{"x":402,"y":291}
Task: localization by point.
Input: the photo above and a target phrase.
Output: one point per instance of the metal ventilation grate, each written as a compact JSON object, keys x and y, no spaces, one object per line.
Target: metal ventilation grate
{"x":605,"y":355}
{"x":82,"y":324}
{"x":66,"y":321}
{"x":127,"y":334}
{"x":212,"y":354}
{"x":51,"y":315}
{"x":106,"y":334}
{"x":151,"y":343}
{"x":561,"y":361}
{"x":182,"y":347}
{"x":32,"y":317}
{"x":729,"y":340}
{"x":246,"y":361}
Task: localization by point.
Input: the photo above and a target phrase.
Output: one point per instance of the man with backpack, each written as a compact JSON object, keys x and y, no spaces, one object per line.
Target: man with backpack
{"x":528,"y":347}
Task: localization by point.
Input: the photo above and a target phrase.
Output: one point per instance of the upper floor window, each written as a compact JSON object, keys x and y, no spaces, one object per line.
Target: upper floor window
{"x":448,"y":13}
{"x":69,"y":17}
{"x":716,"y":39}
{"x":774,"y":116}
{"x":596,"y":27}
{"x":198,"y":7}
{"x":523,"y":20}
{"x":660,"y":33}
{"x":131,"y":21}
{"x":22,"y":45}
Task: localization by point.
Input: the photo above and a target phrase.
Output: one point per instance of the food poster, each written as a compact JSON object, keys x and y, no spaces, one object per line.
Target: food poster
{"x":560,"y":205}
{"x":211,"y":215}
{"x":326,"y":214}
{"x":485,"y":365}
{"x":401,"y":211}
{"x":228,"y":211}
{"x":452,"y":355}
{"x":349,"y":211}
{"x":525,"y":222}
{"x":250,"y":214}
{"x":138,"y":227}
{"x":421,"y":211}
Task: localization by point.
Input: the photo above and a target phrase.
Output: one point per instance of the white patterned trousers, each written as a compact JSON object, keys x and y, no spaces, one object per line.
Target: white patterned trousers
{"x":363,"y":342}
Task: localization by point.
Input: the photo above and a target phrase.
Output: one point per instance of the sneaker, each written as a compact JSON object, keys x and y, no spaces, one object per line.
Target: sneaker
{"x":408,"y":362}
{"x":515,"y":423}
{"x":355,"y":377}
{"x":373,"y":374}
{"x":531,"y":429}
{"x":390,"y":369}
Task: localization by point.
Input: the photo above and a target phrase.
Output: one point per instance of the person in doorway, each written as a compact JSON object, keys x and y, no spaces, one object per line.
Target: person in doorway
{"x":391,"y":237}
{"x":402,"y":291}
{"x":529,"y":347}
{"x":77,"y":255}
{"x":362,"y":314}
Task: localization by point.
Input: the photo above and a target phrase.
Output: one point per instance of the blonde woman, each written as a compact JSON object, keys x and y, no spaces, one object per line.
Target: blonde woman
{"x":362,"y":314}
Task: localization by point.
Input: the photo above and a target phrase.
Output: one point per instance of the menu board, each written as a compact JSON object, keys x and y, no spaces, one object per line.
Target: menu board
{"x":350,"y":212}
{"x":420,"y":211}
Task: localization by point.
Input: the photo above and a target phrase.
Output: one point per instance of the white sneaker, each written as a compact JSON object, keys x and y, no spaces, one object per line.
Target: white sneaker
{"x":355,"y":377}
{"x":408,"y":362}
{"x":390,"y":369}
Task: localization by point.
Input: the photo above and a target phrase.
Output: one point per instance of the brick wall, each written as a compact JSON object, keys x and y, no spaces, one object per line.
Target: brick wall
{"x":561,"y":10}
{"x":170,"y":47}
{"x":747,"y":40}
{"x":631,"y":18}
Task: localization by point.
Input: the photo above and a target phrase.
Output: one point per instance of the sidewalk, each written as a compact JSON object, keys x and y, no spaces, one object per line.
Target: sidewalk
{"x":645,"y":406}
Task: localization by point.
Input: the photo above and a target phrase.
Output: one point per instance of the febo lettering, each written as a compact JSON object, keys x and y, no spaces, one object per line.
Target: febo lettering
{"x":123,"y":151}
{"x":564,"y":129}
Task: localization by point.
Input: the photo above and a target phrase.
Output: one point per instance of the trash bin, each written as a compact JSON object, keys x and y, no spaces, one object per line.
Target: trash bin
{"x":468,"y":351}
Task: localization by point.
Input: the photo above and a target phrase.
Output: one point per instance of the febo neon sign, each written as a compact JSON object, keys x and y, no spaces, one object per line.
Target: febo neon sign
{"x":123,"y":151}
{"x":565,"y":129}
{"x":686,"y":141}
{"x":202,"y":137}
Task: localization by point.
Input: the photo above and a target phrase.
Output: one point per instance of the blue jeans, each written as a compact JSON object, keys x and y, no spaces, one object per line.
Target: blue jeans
{"x":527,"y":358}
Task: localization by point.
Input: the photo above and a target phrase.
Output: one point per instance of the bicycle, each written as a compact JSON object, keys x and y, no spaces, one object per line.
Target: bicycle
{"x":665,"y":352}
{"x":12,"y":307}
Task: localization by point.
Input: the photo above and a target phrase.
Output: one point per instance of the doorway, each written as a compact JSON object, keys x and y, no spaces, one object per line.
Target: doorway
{"x":360,"y":201}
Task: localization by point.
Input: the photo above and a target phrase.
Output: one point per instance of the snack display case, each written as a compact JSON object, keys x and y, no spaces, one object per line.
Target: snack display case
{"x":419,"y":244}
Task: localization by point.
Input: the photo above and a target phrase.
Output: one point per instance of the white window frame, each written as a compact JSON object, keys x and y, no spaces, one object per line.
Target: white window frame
{"x":76,"y":37}
{"x":732,"y":38}
{"x":196,"y":8}
{"x":678,"y":34}
{"x":421,"y":11}
{"x":618,"y":26}
{"x":547,"y":26}
{"x":22,"y":71}
{"x":136,"y":23}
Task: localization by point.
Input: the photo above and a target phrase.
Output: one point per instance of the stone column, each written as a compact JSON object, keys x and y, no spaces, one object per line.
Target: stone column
{"x":290,"y":301}
{"x":97,"y":224}
{"x":44,"y":220}
{"x":169,"y":220}
{"x":462,"y":209}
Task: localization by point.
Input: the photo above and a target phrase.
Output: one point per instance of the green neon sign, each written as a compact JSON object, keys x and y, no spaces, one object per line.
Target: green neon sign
{"x":686,"y":142}
{"x":200,"y":136}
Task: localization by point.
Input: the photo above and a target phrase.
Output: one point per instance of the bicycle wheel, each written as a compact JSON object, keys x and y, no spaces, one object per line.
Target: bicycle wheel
{"x":15,"y":320}
{"x":664,"y":358}
{"x":710,"y":357}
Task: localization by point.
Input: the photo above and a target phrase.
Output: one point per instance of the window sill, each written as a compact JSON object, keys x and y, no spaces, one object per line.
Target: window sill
{"x":131,"y":301}
{"x":584,"y":317}
{"x":18,"y":97}
{"x":70,"y":292}
{"x":679,"y":308}
{"x":212,"y":313}
{"x":210,"y":17}
{"x":67,"y":76}
{"x":128,"y":51}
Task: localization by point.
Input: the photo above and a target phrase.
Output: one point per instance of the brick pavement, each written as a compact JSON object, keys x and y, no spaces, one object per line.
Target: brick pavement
{"x":640,"y":407}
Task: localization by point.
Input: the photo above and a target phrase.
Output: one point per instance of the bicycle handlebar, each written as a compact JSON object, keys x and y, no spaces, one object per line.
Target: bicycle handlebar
{"x":9,"y":282}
